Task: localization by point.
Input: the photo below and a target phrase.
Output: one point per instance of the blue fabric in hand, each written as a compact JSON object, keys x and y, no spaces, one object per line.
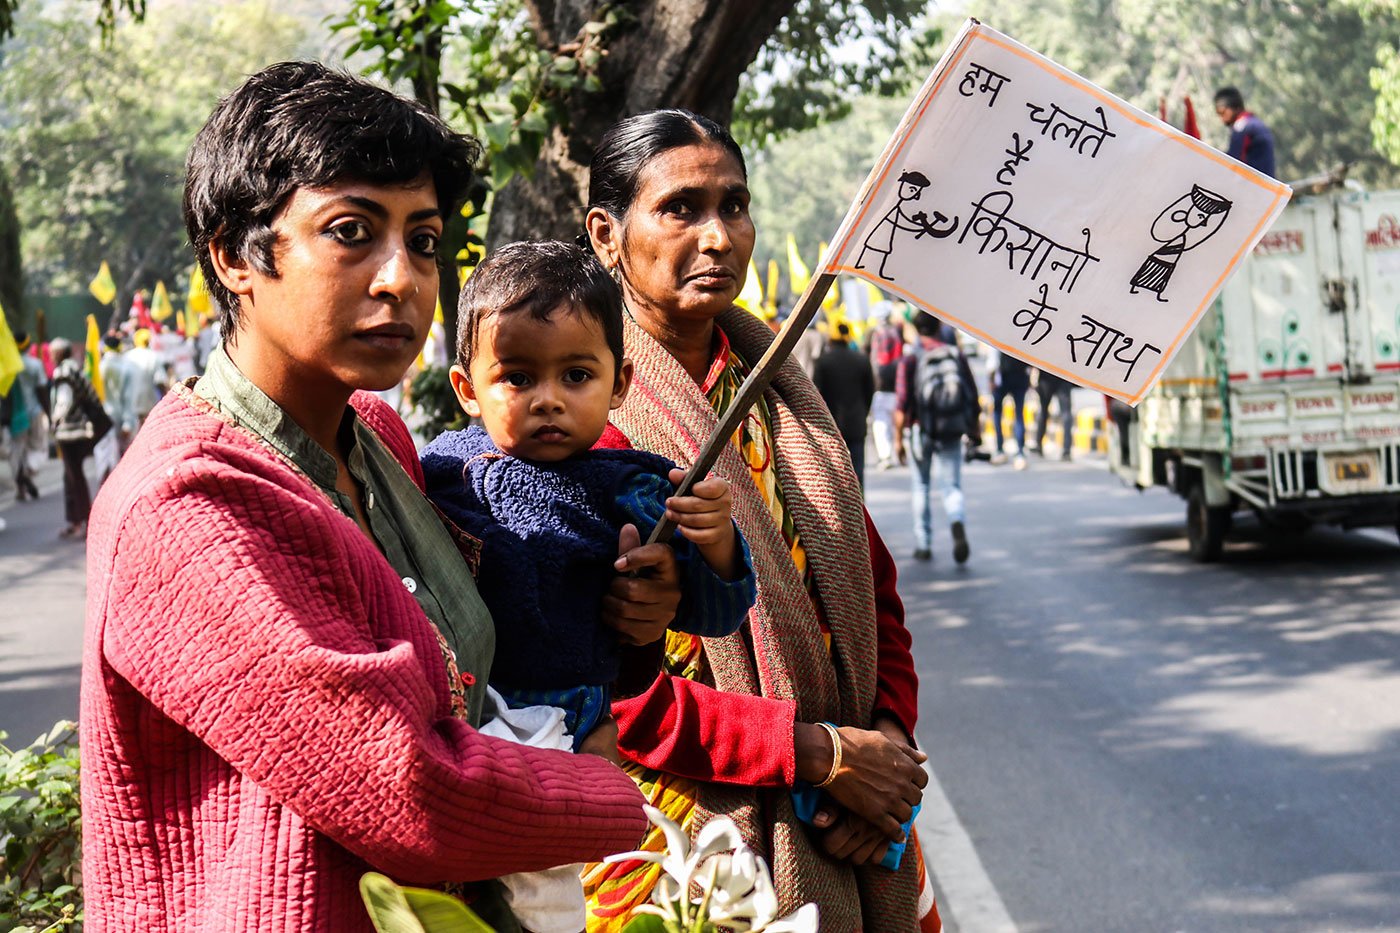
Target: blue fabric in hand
{"x":806,"y":798}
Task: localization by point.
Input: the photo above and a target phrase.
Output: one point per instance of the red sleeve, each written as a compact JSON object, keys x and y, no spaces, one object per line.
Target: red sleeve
{"x":896,"y":683}
{"x":695,"y":731}
{"x":686,"y":728}
{"x":260,"y":656}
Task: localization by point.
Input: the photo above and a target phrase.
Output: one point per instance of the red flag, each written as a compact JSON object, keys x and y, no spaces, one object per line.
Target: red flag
{"x":141,"y":314}
{"x":1191,"y":128}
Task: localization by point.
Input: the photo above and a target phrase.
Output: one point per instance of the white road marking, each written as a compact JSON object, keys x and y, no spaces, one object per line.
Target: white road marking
{"x":968,"y":901}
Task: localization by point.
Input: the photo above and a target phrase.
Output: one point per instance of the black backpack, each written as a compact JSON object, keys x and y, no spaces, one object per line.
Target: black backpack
{"x":942,"y":395}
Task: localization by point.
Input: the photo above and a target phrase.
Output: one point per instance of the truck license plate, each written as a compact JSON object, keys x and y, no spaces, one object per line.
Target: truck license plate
{"x":1356,"y":472}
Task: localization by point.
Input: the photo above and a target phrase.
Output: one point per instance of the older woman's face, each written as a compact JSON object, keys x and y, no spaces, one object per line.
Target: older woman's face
{"x":355,"y":288}
{"x":688,"y":237}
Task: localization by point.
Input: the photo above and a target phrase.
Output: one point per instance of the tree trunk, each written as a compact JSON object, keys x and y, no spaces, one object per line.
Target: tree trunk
{"x":679,"y":54}
{"x":11,"y":267}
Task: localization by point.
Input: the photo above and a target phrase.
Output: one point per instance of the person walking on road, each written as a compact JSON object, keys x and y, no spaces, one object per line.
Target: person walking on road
{"x":936,"y":400}
{"x":1050,"y":387}
{"x":1011,"y":378}
{"x":113,"y":368}
{"x":885,"y":348}
{"x":79,"y":422}
{"x":1251,"y":140}
{"x":847,"y":384}
{"x":145,"y":381}
{"x":27,"y":411}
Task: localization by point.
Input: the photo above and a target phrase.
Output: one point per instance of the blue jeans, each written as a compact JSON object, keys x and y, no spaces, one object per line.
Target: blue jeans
{"x":1018,"y":403}
{"x":949,"y":477}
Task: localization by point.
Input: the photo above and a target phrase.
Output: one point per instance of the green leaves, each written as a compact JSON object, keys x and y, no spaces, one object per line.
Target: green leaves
{"x":501,"y":81}
{"x":396,"y":909}
{"x":40,"y":825}
{"x":94,"y":137}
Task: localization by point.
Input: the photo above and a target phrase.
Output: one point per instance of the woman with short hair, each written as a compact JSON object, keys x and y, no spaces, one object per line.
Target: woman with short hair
{"x":285,"y":656}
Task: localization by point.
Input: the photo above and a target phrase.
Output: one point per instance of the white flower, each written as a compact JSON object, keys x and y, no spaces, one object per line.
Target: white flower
{"x":737,"y":889}
{"x":805,"y":920}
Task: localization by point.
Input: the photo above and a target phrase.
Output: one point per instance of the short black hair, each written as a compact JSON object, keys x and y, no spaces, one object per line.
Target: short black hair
{"x":627,"y":148}
{"x":1230,"y":97}
{"x":926,"y":325}
{"x":303,"y":125}
{"x":538,"y":277}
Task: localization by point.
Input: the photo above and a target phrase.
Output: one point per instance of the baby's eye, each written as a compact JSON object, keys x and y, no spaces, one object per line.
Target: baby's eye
{"x":425,"y":243}
{"x":577,"y":375}
{"x":517,"y":379}
{"x":351,"y":232}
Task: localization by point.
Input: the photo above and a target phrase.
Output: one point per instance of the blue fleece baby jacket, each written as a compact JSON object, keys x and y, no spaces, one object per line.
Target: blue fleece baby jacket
{"x":549,"y":538}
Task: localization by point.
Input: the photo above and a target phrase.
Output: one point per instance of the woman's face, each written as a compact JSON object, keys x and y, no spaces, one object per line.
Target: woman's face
{"x":687,"y":239}
{"x":355,"y":288}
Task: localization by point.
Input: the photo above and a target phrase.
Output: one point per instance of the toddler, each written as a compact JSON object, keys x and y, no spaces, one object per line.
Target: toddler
{"x":539,"y":361}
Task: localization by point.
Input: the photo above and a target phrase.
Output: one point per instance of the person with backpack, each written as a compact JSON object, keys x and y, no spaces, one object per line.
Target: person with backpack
{"x":936,"y":400}
{"x":78,"y":422}
{"x":885,"y":349}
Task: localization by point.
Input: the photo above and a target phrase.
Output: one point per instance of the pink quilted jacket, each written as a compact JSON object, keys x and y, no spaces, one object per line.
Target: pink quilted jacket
{"x":265,"y":709}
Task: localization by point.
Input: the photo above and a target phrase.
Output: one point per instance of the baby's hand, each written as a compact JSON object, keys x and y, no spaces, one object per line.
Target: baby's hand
{"x":705,"y":518}
{"x":705,"y":513}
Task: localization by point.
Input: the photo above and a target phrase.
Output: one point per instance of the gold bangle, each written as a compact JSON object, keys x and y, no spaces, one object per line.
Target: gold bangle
{"x":835,"y":752}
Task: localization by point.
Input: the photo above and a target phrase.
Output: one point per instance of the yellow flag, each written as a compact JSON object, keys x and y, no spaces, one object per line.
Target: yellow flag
{"x":93,"y":356}
{"x":198,"y":301}
{"x":798,"y":273}
{"x":832,"y":303}
{"x":10,"y":363}
{"x":770,"y":300}
{"x":876,"y":296}
{"x":161,"y":308}
{"x":191,"y":321}
{"x":751,"y":295}
{"x":102,"y":286}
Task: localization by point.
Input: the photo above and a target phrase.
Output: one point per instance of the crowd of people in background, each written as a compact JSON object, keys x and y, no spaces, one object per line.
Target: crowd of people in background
{"x":56,"y":409}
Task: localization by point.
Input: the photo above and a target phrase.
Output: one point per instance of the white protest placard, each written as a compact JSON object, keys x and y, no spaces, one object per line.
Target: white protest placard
{"x":1036,"y":211}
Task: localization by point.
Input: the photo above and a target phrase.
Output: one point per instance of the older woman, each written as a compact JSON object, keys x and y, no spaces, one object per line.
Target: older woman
{"x":285,"y":658}
{"x":819,"y":689}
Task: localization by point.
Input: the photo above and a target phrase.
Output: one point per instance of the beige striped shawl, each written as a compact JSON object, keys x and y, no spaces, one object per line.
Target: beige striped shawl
{"x":781,"y":654}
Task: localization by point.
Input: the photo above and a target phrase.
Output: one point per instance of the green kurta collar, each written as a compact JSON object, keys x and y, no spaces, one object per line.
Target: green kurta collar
{"x":402,"y":523}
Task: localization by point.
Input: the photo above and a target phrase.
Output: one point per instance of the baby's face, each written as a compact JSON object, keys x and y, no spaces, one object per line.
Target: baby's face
{"x":543,"y":389}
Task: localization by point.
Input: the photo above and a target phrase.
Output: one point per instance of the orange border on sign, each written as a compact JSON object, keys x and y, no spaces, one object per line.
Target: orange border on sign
{"x":1125,"y":110}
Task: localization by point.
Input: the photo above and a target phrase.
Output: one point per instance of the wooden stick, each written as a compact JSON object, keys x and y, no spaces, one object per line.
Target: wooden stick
{"x":759,"y":379}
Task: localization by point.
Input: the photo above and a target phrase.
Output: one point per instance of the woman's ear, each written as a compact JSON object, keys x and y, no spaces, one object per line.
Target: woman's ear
{"x":462,"y":387}
{"x":233,"y":271}
{"x":606,"y":237}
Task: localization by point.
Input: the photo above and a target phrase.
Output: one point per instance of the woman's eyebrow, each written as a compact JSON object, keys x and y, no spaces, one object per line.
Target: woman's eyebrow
{"x":697,"y":191}
{"x":371,"y":206}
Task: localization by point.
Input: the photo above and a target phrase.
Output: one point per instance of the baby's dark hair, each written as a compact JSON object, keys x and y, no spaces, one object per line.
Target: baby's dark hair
{"x":538,"y":276}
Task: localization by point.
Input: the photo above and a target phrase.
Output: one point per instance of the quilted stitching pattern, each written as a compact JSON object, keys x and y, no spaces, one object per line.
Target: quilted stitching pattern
{"x":265,"y":710}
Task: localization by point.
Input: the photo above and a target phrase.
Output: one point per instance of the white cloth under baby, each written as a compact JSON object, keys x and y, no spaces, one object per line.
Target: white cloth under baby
{"x":549,"y":901}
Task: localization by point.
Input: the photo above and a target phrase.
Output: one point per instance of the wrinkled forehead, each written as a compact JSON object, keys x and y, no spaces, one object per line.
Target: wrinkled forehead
{"x":699,"y":166}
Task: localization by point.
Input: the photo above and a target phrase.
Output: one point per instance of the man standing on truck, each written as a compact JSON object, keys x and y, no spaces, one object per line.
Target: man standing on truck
{"x":1251,"y":140}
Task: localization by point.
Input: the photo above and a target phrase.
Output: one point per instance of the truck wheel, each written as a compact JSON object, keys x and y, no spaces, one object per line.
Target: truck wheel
{"x":1205,"y":526}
